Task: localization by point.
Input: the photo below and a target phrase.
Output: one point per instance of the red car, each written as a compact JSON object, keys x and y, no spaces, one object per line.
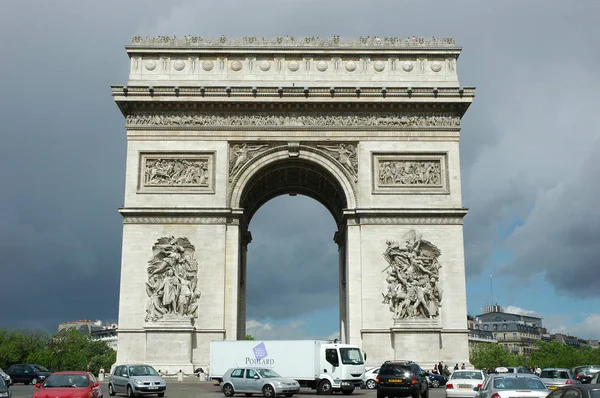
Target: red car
{"x":69,"y":385}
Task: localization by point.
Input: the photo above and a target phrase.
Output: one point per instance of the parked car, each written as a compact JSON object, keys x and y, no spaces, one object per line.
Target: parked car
{"x":595,"y":378}
{"x":402,"y":379}
{"x":557,"y":377}
{"x":257,"y":381}
{"x":68,"y":385}
{"x":585,"y":373}
{"x":508,"y":385}
{"x":136,"y":379}
{"x":435,"y":380}
{"x":27,"y":373}
{"x":576,"y":391}
{"x":4,"y":389}
{"x":370,"y":378}
{"x":512,"y":369}
{"x":461,"y":383}
{"x":6,"y":377}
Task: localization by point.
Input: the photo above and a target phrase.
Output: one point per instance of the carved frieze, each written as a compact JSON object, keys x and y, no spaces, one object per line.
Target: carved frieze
{"x":172,"y":282}
{"x":410,"y":173}
{"x":412,"y":276}
{"x":295,"y":42}
{"x":317,"y":119}
{"x":345,"y":154}
{"x":242,"y":153}
{"x":179,"y":172}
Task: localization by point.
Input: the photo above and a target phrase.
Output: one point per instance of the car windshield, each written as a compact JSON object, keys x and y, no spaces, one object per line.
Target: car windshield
{"x":267,"y":373}
{"x":66,"y":380}
{"x":467,"y":375}
{"x":39,"y":368}
{"x":351,"y":356}
{"x":142,"y":370}
{"x":554,"y":374}
{"x":518,"y":383}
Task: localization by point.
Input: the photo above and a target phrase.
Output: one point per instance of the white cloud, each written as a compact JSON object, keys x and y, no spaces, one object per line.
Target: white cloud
{"x":589,"y":328}
{"x":268,"y":331}
{"x":513,"y":309}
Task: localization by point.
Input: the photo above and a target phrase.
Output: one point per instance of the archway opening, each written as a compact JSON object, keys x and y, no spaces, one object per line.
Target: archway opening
{"x":294,"y":268}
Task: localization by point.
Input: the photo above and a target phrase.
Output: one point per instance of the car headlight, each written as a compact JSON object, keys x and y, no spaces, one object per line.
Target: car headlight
{"x":138,"y":382}
{"x":3,"y":394}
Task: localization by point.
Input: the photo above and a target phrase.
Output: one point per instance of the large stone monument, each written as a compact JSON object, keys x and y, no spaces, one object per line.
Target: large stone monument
{"x":216,"y":128}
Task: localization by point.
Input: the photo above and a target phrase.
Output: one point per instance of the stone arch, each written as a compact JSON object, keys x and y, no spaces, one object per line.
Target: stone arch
{"x":324,"y":180}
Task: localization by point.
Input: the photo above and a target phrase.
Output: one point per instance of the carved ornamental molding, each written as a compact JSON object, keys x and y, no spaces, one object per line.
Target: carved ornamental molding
{"x":207,"y":120}
{"x":180,"y":172}
{"x":295,"y":42}
{"x":412,"y":275}
{"x":410,"y":173}
{"x":172,"y":285}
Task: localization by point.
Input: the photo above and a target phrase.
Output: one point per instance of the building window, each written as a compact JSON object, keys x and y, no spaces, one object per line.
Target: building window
{"x":495,"y":327}
{"x":514,"y":336}
{"x":504,"y":327}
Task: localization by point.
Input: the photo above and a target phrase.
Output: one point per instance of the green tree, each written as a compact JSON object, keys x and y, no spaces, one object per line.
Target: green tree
{"x":249,"y":337}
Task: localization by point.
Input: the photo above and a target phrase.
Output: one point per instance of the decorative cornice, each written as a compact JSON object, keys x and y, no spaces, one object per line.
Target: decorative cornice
{"x":368,"y":42}
{"x":295,"y":93}
{"x":177,"y":216}
{"x":406,"y":217}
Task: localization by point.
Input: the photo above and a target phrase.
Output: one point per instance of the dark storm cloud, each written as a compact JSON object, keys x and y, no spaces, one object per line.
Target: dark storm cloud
{"x":525,"y":140}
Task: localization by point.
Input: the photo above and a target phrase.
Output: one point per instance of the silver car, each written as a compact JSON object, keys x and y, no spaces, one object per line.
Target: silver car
{"x":512,"y":385}
{"x":6,"y":377}
{"x":557,"y":377}
{"x":257,"y":381}
{"x":136,"y":379}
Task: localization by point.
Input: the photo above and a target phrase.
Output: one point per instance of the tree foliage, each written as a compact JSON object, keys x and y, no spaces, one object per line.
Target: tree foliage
{"x":65,"y":350}
{"x":249,"y":337}
{"x":545,"y":354}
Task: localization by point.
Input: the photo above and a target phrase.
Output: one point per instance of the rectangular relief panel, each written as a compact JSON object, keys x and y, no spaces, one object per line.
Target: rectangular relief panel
{"x":177,"y":172}
{"x":410,"y":173}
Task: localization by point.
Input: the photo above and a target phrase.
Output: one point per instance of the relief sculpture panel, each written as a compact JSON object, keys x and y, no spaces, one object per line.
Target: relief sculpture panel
{"x":410,"y":173}
{"x":172,"y":285}
{"x":412,"y":276}
{"x":160,"y":172}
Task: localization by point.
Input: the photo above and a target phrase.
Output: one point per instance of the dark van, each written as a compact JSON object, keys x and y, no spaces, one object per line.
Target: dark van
{"x":27,"y":373}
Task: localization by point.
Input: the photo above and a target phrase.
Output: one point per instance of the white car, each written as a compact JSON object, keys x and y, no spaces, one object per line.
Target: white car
{"x":513,"y":385}
{"x":370,"y":378}
{"x":462,"y":383}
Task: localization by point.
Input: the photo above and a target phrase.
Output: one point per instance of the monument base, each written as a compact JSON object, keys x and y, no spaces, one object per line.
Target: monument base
{"x":169,"y":344}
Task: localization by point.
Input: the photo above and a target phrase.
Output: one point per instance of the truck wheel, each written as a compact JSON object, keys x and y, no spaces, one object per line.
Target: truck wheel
{"x":348,"y":391}
{"x":268,"y":391}
{"x":324,"y":388}
{"x":228,"y":390}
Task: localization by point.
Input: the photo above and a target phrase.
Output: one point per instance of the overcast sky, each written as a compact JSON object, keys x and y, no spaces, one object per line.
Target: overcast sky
{"x":528,"y":146}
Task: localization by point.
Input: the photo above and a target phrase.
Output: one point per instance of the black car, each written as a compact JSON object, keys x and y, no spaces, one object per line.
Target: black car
{"x":576,"y":391}
{"x":4,"y":388}
{"x":585,"y":373}
{"x":402,"y":379}
{"x":27,"y":373}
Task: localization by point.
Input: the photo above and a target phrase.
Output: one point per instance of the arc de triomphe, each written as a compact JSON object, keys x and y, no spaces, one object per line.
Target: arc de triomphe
{"x":216,"y":128}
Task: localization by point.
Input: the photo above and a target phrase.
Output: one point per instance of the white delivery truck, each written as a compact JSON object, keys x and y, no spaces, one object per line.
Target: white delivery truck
{"x":320,"y":365}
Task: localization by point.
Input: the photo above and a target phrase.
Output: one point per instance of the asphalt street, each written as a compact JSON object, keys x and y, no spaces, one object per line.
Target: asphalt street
{"x":188,"y":389}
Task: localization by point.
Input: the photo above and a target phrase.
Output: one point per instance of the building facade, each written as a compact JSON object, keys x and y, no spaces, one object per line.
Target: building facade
{"x":216,"y":128}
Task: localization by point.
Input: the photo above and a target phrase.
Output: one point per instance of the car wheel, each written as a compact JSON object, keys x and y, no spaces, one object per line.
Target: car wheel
{"x":347,"y":391}
{"x":228,"y":390}
{"x":415,"y":394}
{"x":130,"y":393}
{"x":111,"y":389}
{"x":289,"y":395}
{"x":161,"y":394}
{"x":371,"y":384}
{"x":34,"y":381}
{"x":268,"y":391}
{"x":324,"y":388}
{"x":435,"y":383}
{"x":380,"y":395}
{"x":425,"y":394}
